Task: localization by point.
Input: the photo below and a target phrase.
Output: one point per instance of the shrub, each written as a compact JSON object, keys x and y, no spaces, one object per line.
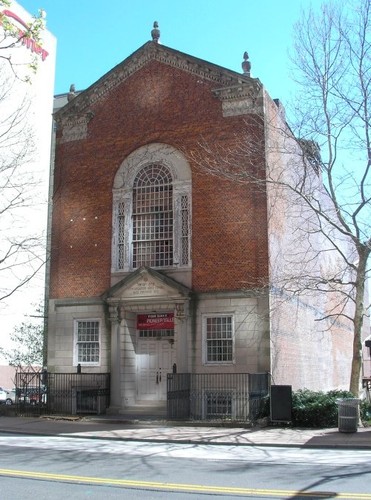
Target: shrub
{"x":316,"y":408}
{"x":263,"y":410}
{"x":365,"y":410}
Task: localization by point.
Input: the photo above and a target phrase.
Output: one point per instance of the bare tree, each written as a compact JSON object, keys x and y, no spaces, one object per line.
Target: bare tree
{"x":21,"y":251}
{"x":13,"y":36}
{"x":332,"y":60}
{"x":316,"y":173}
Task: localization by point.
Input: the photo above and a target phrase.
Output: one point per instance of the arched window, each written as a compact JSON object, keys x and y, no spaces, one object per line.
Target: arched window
{"x":151,"y":212}
{"x":153,"y":217}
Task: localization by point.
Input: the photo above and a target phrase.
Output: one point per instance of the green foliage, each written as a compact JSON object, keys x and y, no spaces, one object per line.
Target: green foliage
{"x":365,"y":410}
{"x":316,"y":409}
{"x":264,"y":408}
{"x":12,"y":37}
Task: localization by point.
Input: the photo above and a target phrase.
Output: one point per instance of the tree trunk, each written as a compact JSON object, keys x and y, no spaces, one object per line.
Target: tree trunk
{"x":355,"y":376}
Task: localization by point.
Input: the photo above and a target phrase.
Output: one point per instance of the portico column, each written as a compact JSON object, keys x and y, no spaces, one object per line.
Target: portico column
{"x":115,"y":396}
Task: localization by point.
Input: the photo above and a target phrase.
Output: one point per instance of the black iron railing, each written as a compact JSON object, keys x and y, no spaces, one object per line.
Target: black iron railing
{"x":226,"y":396}
{"x":206,"y":396}
{"x":62,"y":393}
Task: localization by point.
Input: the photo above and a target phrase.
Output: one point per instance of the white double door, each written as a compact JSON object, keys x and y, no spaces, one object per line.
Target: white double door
{"x":155,"y":359}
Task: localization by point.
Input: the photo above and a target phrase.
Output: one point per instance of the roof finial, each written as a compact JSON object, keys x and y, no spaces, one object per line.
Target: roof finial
{"x":155,"y":33}
{"x":246,"y":64}
{"x":72,"y":93}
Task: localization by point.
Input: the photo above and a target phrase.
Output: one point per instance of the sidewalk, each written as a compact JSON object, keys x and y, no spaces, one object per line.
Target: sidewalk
{"x":183,"y":432}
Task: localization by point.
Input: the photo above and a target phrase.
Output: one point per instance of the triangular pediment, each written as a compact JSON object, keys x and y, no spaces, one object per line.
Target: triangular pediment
{"x":146,"y":284}
{"x":228,"y":83}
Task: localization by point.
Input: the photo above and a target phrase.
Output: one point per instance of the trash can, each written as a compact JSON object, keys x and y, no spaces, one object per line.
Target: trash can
{"x":348,"y":414}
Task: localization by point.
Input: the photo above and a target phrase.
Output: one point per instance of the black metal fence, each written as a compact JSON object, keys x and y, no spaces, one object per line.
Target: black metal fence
{"x":62,"y":393}
{"x":227,"y":396}
{"x":190,"y":396}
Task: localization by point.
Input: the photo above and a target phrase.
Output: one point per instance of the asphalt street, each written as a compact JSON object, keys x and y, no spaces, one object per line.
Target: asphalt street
{"x":54,"y":467}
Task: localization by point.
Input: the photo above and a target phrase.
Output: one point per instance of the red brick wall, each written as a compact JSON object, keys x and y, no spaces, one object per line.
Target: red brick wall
{"x":156,"y":104}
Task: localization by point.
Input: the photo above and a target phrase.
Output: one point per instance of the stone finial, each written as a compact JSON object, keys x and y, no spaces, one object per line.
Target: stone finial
{"x":71,"y":93}
{"x":155,"y":33}
{"x":246,"y":64}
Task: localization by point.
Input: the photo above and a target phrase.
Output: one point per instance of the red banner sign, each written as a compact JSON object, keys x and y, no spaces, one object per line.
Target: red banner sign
{"x":160,"y":321}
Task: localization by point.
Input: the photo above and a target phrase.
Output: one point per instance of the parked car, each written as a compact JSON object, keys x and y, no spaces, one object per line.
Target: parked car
{"x":7,"y":397}
{"x":31,"y":395}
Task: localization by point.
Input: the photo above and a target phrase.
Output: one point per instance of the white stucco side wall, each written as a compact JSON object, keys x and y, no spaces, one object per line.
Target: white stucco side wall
{"x":33,"y":101}
{"x":308,"y":351}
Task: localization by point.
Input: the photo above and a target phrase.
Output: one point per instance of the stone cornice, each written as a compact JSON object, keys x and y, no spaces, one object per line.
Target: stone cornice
{"x":227,"y":79}
{"x":245,"y":89}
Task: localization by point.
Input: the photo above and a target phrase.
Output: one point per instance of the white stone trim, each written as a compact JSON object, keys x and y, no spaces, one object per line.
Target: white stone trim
{"x":204,"y":317}
{"x":180,"y":170}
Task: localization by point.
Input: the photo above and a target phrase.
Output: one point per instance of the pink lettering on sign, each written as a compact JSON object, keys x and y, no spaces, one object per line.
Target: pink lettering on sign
{"x":27,"y":41}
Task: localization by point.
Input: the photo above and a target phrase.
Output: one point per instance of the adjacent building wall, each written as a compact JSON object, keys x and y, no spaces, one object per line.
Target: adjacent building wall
{"x":308,"y":350}
{"x":31,"y":94}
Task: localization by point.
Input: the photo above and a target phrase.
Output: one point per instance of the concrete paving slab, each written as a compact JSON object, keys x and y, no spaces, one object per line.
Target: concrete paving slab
{"x":165,"y":431}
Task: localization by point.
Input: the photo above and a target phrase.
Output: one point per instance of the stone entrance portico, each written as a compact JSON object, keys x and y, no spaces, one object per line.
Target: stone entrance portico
{"x":139,"y":363}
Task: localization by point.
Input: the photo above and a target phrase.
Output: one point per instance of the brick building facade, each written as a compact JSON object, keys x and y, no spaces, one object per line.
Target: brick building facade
{"x":157,"y":265}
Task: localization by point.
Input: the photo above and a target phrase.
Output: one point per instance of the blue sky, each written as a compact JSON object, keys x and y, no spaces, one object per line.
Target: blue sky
{"x":92,"y":37}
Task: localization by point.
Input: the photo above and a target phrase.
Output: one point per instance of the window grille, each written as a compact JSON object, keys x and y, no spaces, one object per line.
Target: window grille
{"x":150,"y":334}
{"x":88,"y":342}
{"x":153,"y":217}
{"x":219,"y":339}
{"x":184,"y":217}
{"x":151,"y":223}
{"x":121,"y":235}
{"x":218,"y":404}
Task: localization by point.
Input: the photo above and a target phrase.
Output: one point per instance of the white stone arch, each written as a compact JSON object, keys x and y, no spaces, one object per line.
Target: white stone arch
{"x":152,"y":153}
{"x":180,"y":170}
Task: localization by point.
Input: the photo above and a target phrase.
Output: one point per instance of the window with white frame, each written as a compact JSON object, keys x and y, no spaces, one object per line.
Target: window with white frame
{"x":218,"y":339}
{"x":151,"y":212}
{"x":87,"y":342}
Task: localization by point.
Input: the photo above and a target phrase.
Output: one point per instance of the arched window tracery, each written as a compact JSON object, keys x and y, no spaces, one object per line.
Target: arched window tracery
{"x":151,"y":212}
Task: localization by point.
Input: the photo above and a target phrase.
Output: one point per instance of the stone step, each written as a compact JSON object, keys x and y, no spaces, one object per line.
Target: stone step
{"x":146,"y":409}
